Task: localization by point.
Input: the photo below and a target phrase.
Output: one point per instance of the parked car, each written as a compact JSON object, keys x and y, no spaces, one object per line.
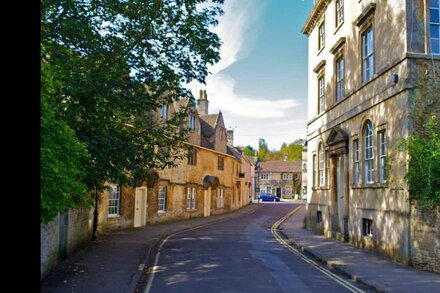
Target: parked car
{"x":269,"y":197}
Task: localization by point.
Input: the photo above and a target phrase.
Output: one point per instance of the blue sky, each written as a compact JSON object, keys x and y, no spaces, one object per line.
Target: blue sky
{"x":260,"y":84}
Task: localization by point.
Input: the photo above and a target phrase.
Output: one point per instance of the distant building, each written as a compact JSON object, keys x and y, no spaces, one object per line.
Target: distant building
{"x":304,"y":170}
{"x":282,"y":178}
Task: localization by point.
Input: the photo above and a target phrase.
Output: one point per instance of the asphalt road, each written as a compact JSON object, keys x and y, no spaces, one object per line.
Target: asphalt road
{"x":239,"y":255}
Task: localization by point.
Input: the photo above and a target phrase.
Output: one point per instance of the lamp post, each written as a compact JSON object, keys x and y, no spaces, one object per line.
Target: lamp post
{"x":257,"y":179}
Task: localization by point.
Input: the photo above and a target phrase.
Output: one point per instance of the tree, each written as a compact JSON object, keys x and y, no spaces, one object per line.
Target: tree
{"x":262,"y":149}
{"x":116,"y":62}
{"x":293,"y":151}
{"x":249,"y":151}
{"x":63,"y":158}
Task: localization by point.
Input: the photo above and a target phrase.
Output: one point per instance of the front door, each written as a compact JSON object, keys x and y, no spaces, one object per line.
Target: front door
{"x":207,"y":202}
{"x":140,"y":207}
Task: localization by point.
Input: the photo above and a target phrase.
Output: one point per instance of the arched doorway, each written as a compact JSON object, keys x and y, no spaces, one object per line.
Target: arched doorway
{"x":337,"y":143}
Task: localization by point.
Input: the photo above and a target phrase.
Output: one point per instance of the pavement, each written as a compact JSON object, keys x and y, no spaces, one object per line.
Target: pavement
{"x":365,"y":267}
{"x":118,"y":260}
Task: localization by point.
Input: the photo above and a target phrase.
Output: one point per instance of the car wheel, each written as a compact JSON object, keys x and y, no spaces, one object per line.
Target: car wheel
{"x":274,"y":200}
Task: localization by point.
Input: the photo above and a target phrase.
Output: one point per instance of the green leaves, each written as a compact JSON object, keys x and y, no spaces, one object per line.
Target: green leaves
{"x":106,"y":67}
{"x":293,"y":151}
{"x":62,"y":161}
{"x":423,"y":176}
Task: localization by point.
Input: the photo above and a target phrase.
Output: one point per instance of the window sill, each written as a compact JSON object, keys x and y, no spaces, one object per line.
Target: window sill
{"x":372,"y":186}
{"x":321,"y":188}
{"x":113,"y":216}
{"x":161,"y":212}
{"x":320,"y":50}
{"x":338,"y":27}
{"x":191,"y":210}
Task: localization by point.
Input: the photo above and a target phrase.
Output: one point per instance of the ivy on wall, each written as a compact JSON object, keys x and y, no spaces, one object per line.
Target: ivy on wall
{"x":423,"y":144}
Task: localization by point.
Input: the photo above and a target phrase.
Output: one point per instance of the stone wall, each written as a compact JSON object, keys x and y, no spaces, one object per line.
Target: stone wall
{"x":425,"y":239}
{"x":78,"y":232}
{"x":49,"y":241}
{"x":80,"y":228}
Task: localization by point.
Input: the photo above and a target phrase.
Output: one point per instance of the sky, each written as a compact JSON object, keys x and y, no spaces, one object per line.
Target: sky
{"x":260,"y":83}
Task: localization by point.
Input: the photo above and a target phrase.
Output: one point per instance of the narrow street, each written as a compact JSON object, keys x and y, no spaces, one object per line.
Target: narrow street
{"x":239,"y":255}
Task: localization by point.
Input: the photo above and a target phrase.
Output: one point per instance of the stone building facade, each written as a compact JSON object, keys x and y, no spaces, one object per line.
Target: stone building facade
{"x":214,"y":179}
{"x":365,"y":58}
{"x":209,"y":181}
{"x":281,"y":178}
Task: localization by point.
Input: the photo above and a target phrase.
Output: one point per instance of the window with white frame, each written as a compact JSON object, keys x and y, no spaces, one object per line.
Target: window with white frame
{"x":164,"y":112}
{"x":321,"y":36}
{"x":191,"y":196}
{"x":434,"y":26}
{"x":327,"y":168}
{"x":264,"y":176}
{"x":114,"y":201}
{"x":356,"y":162}
{"x":339,"y":78}
{"x":162,"y":199}
{"x":321,"y":165}
{"x":192,"y":123}
{"x":321,"y":94}
{"x":314,"y":171}
{"x":268,"y":189}
{"x":368,"y":152}
{"x":220,"y":197}
{"x":339,"y":12}
{"x":287,"y":176}
{"x":382,"y":156}
{"x":367,"y":54}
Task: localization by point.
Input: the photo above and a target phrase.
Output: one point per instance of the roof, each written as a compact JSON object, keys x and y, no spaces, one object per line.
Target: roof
{"x":233,"y":151}
{"x":205,"y":142}
{"x":317,"y":11}
{"x":208,"y":124}
{"x":280,"y":166}
{"x":205,"y":128}
{"x":211,"y":119}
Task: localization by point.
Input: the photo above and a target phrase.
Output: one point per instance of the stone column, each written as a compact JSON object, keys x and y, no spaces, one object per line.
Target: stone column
{"x":333,"y":194}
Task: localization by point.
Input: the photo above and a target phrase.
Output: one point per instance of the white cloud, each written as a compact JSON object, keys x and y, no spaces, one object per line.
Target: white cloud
{"x":253,"y":118}
{"x":238,"y":19}
{"x":220,"y":90}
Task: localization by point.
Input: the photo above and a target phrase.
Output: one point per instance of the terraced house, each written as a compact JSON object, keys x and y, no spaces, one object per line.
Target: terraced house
{"x":281,"y":178}
{"x":213,"y":178}
{"x":365,"y":58}
{"x":208,"y":181}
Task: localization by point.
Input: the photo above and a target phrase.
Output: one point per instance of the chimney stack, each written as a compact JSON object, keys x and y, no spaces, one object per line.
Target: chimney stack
{"x":230,"y":137}
{"x":202,"y":103}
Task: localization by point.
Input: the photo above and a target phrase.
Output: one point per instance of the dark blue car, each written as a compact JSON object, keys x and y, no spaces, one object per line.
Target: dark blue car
{"x":268,"y":197}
